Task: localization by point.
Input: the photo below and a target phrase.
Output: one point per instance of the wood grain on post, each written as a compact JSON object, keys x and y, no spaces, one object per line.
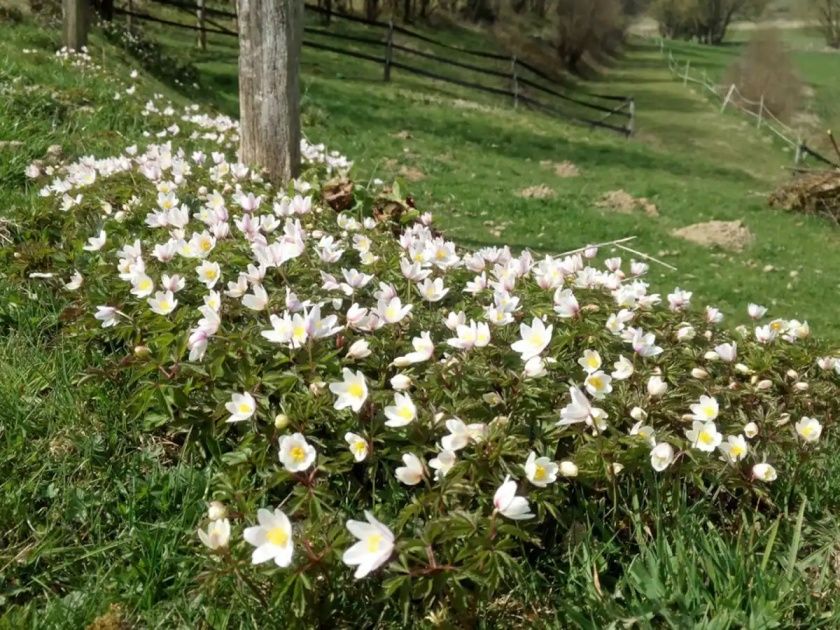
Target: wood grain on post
{"x":75,"y":23}
{"x":270,"y":33}
{"x":202,"y":34}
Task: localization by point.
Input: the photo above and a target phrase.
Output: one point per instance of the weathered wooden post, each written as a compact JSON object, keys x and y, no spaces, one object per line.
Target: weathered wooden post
{"x":270,"y":33}
{"x":728,"y":96}
{"x":389,"y":50}
{"x":514,"y":82}
{"x":75,"y":23}
{"x":760,"y":111}
{"x":129,"y":19}
{"x":631,"y":109}
{"x":202,"y":34}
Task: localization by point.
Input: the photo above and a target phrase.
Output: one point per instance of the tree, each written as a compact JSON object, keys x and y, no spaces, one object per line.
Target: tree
{"x":75,"y":23}
{"x":828,"y":14}
{"x":704,"y":20}
{"x":270,"y":33}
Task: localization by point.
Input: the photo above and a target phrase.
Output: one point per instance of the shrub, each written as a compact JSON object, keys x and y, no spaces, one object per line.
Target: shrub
{"x":765,"y":71}
{"x":393,"y":420}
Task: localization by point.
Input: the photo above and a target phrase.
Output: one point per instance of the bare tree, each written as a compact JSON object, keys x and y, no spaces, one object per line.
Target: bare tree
{"x":828,"y":13}
{"x":270,"y":33}
{"x":704,"y":20}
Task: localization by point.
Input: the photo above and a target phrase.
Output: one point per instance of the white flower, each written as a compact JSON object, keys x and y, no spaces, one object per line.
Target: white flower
{"x":351,"y":392}
{"x":704,"y":436}
{"x":241,"y":407}
{"x":296,"y":454}
{"x":95,"y":243}
{"x":423,"y":349}
{"x":432,"y":291}
{"x":764,"y":471}
{"x":75,"y":282}
{"x":400,"y":382}
{"x":412,"y":473}
{"x":534,"y":340}
{"x":272,"y":538}
{"x":141,"y":285}
{"x":656,"y":386}
{"x":209,"y":273}
{"x":540,"y":471}
{"x":393,"y":311}
{"x":661,"y":456}
{"x":727,"y":351}
{"x":506,"y":503}
{"x":580,"y":410}
{"x":107,"y":315}
{"x":565,"y":303}
{"x":443,"y":463}
{"x":358,"y":446}
{"x":535,"y":367}
{"x":623,"y":369}
{"x":568,"y":469}
{"x":402,"y":412}
{"x":460,"y":434}
{"x":470,"y":336}
{"x":359,"y":349}
{"x":598,"y":384}
{"x":376,"y":543}
{"x":590,"y":361}
{"x":755,"y":311}
{"x":707,"y":409}
{"x":686,"y":332}
{"x":217,"y":535}
{"x":679,"y":299}
{"x":809,"y":429}
{"x":216,"y":510}
{"x":257,"y":300}
{"x":751,"y":429}
{"x":734,"y":449}
{"x":162,"y":303}
{"x":638,"y":414}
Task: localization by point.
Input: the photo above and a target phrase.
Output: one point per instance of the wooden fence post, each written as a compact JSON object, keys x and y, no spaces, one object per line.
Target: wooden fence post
{"x":760,"y":111}
{"x":728,"y":96}
{"x":389,"y":50}
{"x":75,"y":23}
{"x":797,"y":158}
{"x":129,"y":19}
{"x":687,"y":68}
{"x":202,"y":34}
{"x":631,"y":123}
{"x":515,"y":82}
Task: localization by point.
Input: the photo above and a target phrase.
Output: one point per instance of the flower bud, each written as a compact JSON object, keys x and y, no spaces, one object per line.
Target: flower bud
{"x":400,"y":382}
{"x":764,"y":384}
{"x":141,"y":352}
{"x":590,"y":252}
{"x":743,"y":369}
{"x":783,"y":420}
{"x":801,"y":386}
{"x":699,"y":373}
{"x":638,"y":414}
{"x":616,"y":468}
{"x":656,"y":386}
{"x":751,"y":429}
{"x":568,"y":469}
{"x":316,"y":388}
{"x":711,"y":355}
{"x":281,"y":421}
{"x":792,"y":374}
{"x":216,"y":510}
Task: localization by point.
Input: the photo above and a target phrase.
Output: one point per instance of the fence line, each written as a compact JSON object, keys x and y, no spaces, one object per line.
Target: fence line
{"x":730,"y":96}
{"x":624,"y":111}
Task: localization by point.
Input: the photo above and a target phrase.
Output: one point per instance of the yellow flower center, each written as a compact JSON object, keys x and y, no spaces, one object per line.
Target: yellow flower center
{"x":244,"y":408}
{"x":164,"y":305}
{"x":277,"y":536}
{"x":807,"y":431}
{"x":709,"y":411}
{"x":736,"y":450}
{"x":596,"y":382}
{"x":299,"y":332}
{"x":391,"y":312}
{"x":144,"y":284}
{"x":373,"y":542}
{"x":706,"y":438}
{"x":297,"y":453}
{"x":539,"y":473}
{"x":593,"y":362}
{"x":536,"y":339}
{"x":210,"y":274}
{"x":359,"y":447}
{"x":205,"y":246}
{"x":355,"y":390}
{"x":405,"y":413}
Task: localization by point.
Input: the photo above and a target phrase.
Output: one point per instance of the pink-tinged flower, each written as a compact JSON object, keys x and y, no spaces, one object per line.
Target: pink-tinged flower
{"x":375,"y":545}
{"x":506,"y":503}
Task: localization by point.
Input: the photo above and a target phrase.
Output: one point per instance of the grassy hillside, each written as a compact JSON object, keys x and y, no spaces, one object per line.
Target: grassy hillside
{"x":467,"y":156}
{"x":93,"y":508}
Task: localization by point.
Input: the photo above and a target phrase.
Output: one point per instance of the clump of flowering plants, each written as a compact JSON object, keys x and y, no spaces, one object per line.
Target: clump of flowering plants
{"x":388,"y":413}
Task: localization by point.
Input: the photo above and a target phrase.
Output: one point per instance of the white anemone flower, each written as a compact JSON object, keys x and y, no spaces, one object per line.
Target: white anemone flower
{"x":534,"y":340}
{"x":764,"y":472}
{"x":704,"y":436}
{"x":661,"y":456}
{"x":623,"y":369}
{"x":734,"y":449}
{"x":506,"y":503}
{"x":95,"y":243}
{"x":707,"y":409}
{"x":402,"y":412}
{"x":358,"y":446}
{"x":809,"y":429}
{"x":296,"y":454}
{"x":163,"y":303}
{"x":217,"y":535}
{"x":413,"y":472}
{"x":540,"y":471}
{"x":272,"y":538}
{"x":375,"y":545}
{"x":590,"y":361}
{"x":241,"y":407}
{"x":351,"y":392}
{"x":443,"y":463}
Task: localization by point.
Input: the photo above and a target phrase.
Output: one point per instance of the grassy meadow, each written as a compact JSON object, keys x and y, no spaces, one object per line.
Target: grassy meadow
{"x":93,"y":507}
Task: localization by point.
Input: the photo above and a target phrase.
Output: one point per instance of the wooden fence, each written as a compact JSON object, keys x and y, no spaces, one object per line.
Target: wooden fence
{"x":516,"y":79}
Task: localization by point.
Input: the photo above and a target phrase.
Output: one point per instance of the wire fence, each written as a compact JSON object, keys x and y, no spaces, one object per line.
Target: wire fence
{"x":730,"y":97}
{"x":395,"y":47}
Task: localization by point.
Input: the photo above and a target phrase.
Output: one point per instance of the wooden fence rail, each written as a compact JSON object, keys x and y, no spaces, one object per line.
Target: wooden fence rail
{"x":513,"y":75}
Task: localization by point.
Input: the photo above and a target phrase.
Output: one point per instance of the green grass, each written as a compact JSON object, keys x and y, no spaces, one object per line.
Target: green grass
{"x":95,"y":510}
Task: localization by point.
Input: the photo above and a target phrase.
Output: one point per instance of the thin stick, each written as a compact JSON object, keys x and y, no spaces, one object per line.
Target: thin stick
{"x":834,"y":143}
{"x":585,"y":247}
{"x":651,"y":258}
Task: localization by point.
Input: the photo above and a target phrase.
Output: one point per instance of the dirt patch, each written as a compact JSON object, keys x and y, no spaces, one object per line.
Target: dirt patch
{"x":402,"y":135}
{"x":730,"y":235}
{"x":536,"y":192}
{"x":561,"y":169}
{"x":811,"y":193}
{"x":412,"y":174}
{"x":624,"y":203}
